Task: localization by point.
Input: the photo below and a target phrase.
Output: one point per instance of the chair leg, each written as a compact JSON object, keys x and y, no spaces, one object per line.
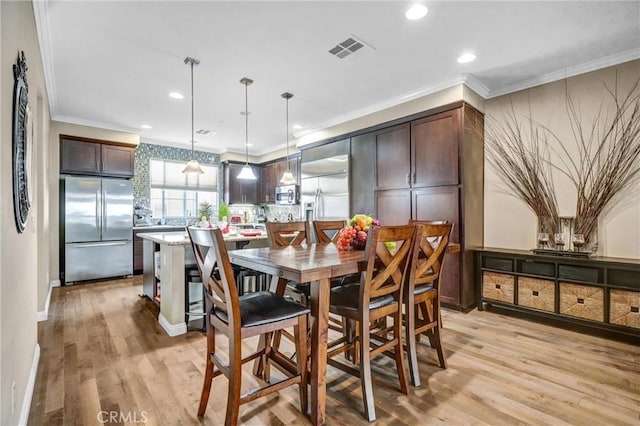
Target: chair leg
{"x":397,"y":335}
{"x":300,"y":332}
{"x":410,"y":339}
{"x":208,"y":371}
{"x":365,"y":371}
{"x":436,"y":342}
{"x":266,"y":365}
{"x":235,"y":381}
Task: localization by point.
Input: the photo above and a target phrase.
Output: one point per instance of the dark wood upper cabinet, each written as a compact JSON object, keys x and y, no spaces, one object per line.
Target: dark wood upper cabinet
{"x":363,"y":174}
{"x":117,"y":160}
{"x":79,"y":157}
{"x":239,"y":191}
{"x":268,"y":176}
{"x":434,"y":149}
{"x":86,"y":157}
{"x":392,"y":153}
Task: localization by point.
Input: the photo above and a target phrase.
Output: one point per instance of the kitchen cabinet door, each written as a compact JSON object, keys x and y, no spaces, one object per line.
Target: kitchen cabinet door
{"x":268,"y":174}
{"x":117,"y":160}
{"x":434,"y":149}
{"x":362,"y":174}
{"x":392,"y":154}
{"x":239,"y":191}
{"x":79,"y":157}
{"x":442,"y":203}
{"x":393,"y":207}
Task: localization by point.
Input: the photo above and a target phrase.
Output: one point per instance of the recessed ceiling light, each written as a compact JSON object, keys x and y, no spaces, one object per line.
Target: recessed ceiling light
{"x":416,"y":11}
{"x":249,"y":145}
{"x":145,"y":126}
{"x":297,"y":126}
{"x":465,"y":58}
{"x":176,"y":95}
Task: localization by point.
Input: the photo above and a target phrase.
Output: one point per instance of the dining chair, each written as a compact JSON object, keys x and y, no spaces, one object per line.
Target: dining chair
{"x":422,"y":293}
{"x":239,"y":318}
{"x":328,"y":231}
{"x":379,"y":294}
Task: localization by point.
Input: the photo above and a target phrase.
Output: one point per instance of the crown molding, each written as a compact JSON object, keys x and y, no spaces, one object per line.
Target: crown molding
{"x":41,"y":16}
{"x":96,"y":124}
{"x":476,"y":85}
{"x":561,"y":74}
{"x":381,"y":106}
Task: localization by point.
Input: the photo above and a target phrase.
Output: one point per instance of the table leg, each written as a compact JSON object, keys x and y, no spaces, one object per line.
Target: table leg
{"x":278,"y":286}
{"x":319,"y":330}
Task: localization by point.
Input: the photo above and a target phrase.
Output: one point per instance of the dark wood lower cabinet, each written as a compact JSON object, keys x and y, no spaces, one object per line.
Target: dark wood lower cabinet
{"x":393,"y":207}
{"x":595,"y":293}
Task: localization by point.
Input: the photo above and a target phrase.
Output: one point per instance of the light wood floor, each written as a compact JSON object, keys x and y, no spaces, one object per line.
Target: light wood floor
{"x":103,"y":350}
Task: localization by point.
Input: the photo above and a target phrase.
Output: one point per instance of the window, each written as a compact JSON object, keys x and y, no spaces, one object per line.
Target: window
{"x":175,"y":194}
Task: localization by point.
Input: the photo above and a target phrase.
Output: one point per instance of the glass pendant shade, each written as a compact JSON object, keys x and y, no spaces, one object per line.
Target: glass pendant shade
{"x":192,"y":167}
{"x":246,"y":173}
{"x":287,"y":176}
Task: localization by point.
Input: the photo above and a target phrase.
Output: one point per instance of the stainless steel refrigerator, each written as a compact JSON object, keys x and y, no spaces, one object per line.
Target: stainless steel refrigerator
{"x":98,"y":228}
{"x":324,"y":188}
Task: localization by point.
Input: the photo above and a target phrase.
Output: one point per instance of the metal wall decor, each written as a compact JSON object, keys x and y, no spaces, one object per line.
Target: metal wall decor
{"x":21,"y":202}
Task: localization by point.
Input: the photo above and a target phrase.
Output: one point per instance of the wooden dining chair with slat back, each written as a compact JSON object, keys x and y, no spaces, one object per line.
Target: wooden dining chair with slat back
{"x":283,"y":234}
{"x":379,"y":294}
{"x":238,"y":318}
{"x":328,"y":231}
{"x":422,"y":293}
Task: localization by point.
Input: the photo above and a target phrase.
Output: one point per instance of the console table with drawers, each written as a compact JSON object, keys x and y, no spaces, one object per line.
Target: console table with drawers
{"x":599,"y":292}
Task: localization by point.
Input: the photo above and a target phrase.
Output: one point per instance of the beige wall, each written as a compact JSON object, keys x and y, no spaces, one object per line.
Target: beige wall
{"x":22,"y":275}
{"x":58,"y":128}
{"x":508,"y":222}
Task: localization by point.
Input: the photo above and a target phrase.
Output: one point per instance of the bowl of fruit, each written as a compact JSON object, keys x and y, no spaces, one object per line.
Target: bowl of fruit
{"x":354,"y":236}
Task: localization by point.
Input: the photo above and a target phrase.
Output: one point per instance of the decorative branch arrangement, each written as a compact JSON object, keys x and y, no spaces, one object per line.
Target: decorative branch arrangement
{"x":608,"y":160}
{"x":524,"y":166}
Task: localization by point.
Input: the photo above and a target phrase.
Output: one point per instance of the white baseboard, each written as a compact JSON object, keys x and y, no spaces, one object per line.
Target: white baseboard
{"x":31,"y":384}
{"x":44,"y":315}
{"x":172,"y":329}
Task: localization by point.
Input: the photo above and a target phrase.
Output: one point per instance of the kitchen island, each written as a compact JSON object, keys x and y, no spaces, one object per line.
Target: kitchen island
{"x":172,"y":272}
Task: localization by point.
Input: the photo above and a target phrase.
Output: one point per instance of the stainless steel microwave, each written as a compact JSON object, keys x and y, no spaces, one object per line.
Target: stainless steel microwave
{"x":288,"y":194}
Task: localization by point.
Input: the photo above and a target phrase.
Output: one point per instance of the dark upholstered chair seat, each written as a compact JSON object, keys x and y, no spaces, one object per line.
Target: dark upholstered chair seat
{"x":420,"y":289}
{"x":263,"y":308}
{"x":345,"y":299}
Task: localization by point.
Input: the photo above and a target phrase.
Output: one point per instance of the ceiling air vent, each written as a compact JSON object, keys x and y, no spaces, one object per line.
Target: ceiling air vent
{"x":349,"y":48}
{"x":202,"y":132}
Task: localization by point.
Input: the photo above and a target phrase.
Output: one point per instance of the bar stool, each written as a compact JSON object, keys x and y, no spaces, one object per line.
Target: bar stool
{"x":192,"y":276}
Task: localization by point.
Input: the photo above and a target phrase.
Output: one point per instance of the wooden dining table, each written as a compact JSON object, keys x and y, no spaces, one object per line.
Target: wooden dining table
{"x":316,"y":264}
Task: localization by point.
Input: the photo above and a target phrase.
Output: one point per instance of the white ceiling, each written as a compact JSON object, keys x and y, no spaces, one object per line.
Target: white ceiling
{"x":112,"y":64}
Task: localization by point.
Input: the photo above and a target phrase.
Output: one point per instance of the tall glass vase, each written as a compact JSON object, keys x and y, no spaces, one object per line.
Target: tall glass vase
{"x":548,"y":225}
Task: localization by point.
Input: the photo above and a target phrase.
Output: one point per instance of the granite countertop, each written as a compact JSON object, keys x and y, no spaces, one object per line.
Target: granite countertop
{"x":181,"y":238}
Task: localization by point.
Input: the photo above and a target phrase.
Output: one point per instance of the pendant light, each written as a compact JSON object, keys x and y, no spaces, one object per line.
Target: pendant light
{"x":246,"y":172}
{"x":192,"y":167}
{"x":287,"y":177}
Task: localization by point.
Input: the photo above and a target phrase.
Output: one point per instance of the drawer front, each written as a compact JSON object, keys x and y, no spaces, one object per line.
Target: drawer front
{"x":624,"y":308}
{"x":498,"y":286}
{"x":536,"y":293}
{"x":582,"y":301}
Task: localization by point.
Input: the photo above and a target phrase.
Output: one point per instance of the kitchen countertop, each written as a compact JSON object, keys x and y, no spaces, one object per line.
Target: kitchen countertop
{"x":181,"y":238}
{"x":160,"y":227}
